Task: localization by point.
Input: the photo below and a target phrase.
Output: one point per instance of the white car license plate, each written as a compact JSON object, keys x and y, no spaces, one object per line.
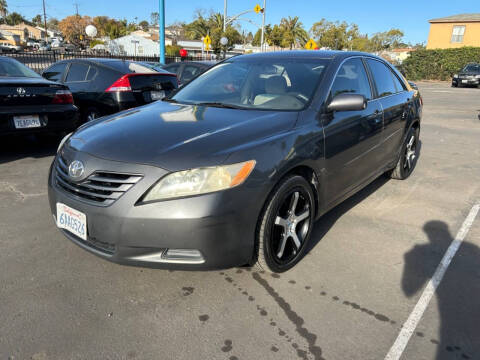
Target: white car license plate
{"x":72,"y":220}
{"x":157,"y":95}
{"x":464,"y":81}
{"x":27,"y":121}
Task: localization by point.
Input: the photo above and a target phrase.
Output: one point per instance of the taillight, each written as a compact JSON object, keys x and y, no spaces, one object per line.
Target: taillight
{"x":63,"y":97}
{"x":121,"y":85}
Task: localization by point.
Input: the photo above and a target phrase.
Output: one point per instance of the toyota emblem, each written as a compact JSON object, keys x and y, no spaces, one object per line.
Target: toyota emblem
{"x":21,"y":91}
{"x":76,"y":169}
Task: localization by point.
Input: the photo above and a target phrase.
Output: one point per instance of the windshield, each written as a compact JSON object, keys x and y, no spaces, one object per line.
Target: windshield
{"x":472,"y":68}
{"x":12,"y":68}
{"x":253,"y":83}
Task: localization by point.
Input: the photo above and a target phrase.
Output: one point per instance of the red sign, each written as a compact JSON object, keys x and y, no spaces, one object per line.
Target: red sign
{"x":183,"y":53}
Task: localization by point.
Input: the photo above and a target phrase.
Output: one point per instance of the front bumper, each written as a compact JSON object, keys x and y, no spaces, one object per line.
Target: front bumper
{"x":469,"y":81}
{"x":220,"y":226}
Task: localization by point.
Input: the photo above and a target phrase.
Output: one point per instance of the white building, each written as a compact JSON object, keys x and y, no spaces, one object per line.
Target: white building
{"x":133,"y":45}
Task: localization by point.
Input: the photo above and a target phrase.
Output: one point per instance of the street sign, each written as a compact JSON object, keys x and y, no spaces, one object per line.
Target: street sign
{"x":311,"y":45}
{"x":257,"y":8}
{"x":206,"y":40}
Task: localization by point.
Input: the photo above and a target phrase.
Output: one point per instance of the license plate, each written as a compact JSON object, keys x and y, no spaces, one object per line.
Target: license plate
{"x":27,"y":121}
{"x":72,"y":220}
{"x":464,"y":81}
{"x":157,"y":95}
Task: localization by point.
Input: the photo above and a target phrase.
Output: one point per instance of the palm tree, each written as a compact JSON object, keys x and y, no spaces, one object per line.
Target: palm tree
{"x":3,"y":9}
{"x":293,"y":32}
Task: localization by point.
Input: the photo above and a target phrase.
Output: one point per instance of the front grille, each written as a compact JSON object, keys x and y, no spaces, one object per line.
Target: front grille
{"x":101,"y":188}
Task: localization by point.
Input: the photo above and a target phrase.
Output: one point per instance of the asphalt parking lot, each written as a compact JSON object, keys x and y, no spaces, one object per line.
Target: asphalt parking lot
{"x":370,"y":259}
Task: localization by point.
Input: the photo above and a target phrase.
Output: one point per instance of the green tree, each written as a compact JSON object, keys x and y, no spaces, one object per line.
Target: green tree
{"x":15,"y":19}
{"x":154,"y":18}
{"x":293,"y":32}
{"x":52,"y":23}
{"x":335,"y":35}
{"x":202,"y":26}
{"x":386,"y":40}
{"x":144,"y":25}
{"x":37,"y":20}
{"x":3,"y":9}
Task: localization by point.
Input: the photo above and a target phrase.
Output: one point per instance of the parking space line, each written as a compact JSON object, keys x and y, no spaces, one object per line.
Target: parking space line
{"x":410,"y":325}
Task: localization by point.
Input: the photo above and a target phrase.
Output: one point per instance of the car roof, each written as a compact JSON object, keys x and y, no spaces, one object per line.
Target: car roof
{"x":306,"y":54}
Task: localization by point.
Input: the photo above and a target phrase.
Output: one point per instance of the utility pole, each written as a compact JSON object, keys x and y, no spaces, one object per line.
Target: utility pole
{"x":263,"y":25}
{"x":224,"y":16}
{"x":161,"y":30}
{"x":76,"y":7}
{"x":45,"y":22}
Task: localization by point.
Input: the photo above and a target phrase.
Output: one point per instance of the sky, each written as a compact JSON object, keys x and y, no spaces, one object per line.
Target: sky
{"x":410,"y":16}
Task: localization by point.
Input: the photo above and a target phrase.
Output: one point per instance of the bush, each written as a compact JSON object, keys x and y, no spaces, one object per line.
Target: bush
{"x":96,"y":42}
{"x":438,"y":64}
{"x":172,"y":50}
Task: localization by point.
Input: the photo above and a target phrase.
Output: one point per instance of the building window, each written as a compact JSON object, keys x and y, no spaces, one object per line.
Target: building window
{"x":457,"y":33}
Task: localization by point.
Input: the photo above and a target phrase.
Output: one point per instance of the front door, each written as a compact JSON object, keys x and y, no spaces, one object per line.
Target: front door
{"x":352,"y":138}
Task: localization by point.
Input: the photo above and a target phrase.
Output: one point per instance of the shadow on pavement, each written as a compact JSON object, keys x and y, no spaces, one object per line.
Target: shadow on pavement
{"x":458,"y":295}
{"x":18,"y":147}
{"x":323,"y":225}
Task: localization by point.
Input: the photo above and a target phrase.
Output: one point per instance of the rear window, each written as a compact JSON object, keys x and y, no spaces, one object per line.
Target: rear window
{"x":127,"y":67}
{"x":55,"y":72}
{"x":13,"y":68}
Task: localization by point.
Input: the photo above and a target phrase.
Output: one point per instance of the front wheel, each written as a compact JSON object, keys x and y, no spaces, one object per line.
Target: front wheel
{"x":408,"y":156}
{"x":285,"y":225}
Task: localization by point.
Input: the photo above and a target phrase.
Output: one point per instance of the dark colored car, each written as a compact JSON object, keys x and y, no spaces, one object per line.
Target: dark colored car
{"x":106,"y":86}
{"x":31,"y":104}
{"x":188,"y":70}
{"x":235,"y":167}
{"x":468,"y":76}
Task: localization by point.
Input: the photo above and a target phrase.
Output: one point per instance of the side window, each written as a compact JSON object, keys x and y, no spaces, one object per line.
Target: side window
{"x":352,"y":79}
{"x":398,"y":84}
{"x":172,"y":68}
{"x":383,"y":78}
{"x":92,"y":71}
{"x":189,"y":72}
{"x":77,"y":72}
{"x":55,"y":72}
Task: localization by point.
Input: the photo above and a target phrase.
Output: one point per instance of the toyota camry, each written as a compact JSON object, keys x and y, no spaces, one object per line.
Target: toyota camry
{"x":234,"y":168}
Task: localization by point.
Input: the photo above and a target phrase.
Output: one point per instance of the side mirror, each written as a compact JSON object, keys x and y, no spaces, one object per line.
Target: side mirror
{"x":348,"y":102}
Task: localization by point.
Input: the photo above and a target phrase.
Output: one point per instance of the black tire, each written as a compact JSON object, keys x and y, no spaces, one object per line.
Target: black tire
{"x":91,"y":114}
{"x":408,"y":156}
{"x":272,"y":256}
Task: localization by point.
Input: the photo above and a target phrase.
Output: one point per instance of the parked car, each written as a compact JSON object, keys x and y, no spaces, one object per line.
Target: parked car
{"x":468,"y":76}
{"x":234,"y":168}
{"x":105,"y":86}
{"x":187,"y":70}
{"x":31,"y":104}
{"x":10,"y":48}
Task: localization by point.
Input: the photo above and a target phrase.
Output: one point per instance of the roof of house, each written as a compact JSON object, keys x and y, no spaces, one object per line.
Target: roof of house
{"x":457,"y":18}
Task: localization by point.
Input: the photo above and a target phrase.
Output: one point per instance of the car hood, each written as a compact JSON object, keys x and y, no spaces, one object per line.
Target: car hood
{"x":177,"y":137}
{"x":467,"y":73}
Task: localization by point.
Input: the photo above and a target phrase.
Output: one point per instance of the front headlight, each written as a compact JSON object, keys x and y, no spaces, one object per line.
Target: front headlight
{"x":200,"y":181}
{"x":477,"y":76}
{"x":64,"y":140}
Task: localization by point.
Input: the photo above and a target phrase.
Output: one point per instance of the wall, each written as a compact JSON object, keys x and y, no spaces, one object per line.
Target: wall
{"x":441,"y":34}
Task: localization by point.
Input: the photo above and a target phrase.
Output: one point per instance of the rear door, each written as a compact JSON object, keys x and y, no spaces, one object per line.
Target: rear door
{"x":76,"y":80}
{"x":352,"y":138}
{"x":396,"y":102}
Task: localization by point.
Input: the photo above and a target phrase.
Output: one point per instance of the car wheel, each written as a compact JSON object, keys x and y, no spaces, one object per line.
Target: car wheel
{"x":91,"y":114}
{"x":285,"y":225}
{"x":408,"y":156}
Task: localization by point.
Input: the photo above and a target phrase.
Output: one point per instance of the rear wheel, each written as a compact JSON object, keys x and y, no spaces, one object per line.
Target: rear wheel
{"x":408,"y":156}
{"x":285,"y":225}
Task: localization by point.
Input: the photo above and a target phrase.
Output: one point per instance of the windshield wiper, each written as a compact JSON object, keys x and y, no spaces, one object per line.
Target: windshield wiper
{"x":222,"y":105}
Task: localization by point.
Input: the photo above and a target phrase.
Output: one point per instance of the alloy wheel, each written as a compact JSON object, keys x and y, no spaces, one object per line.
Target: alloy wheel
{"x":290,"y":227}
